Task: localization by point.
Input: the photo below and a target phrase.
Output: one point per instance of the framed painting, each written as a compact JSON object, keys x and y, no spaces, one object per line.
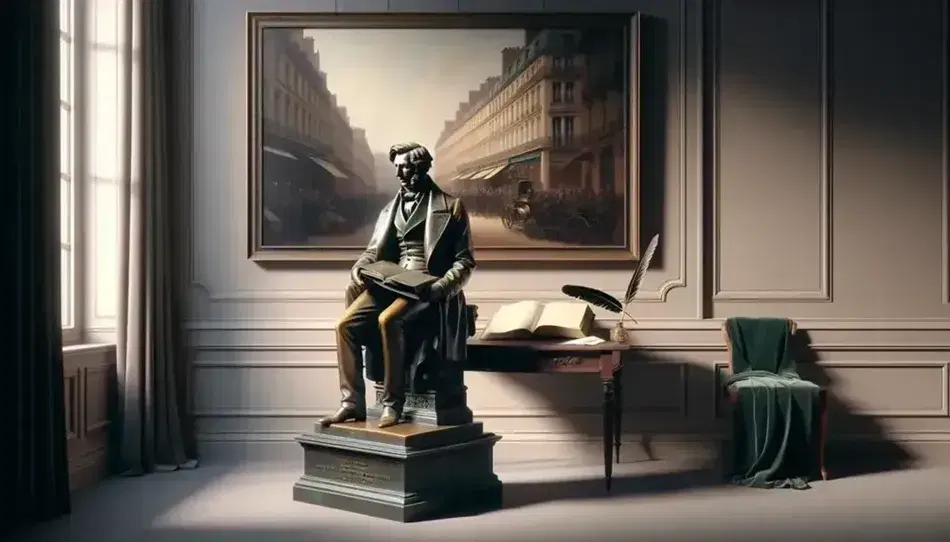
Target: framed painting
{"x":532,"y":120}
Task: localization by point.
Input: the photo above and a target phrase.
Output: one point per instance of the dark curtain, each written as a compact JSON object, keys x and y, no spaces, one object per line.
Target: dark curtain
{"x":34,"y":479}
{"x":153,"y":428}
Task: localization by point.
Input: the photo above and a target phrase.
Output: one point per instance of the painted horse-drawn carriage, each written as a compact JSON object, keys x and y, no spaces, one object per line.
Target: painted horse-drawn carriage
{"x":516,"y":214}
{"x":544,"y":215}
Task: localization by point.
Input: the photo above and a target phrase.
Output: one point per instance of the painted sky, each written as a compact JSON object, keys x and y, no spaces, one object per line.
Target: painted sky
{"x":403,"y":84}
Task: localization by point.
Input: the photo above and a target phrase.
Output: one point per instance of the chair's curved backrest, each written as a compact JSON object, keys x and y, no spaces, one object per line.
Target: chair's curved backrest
{"x":792,"y":328}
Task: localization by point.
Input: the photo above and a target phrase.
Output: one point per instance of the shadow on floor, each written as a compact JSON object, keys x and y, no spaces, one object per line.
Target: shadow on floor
{"x":140,"y":504}
{"x":520,"y":494}
{"x":273,"y":533}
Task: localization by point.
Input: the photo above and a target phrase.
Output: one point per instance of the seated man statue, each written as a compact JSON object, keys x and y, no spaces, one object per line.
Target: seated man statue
{"x":422,"y":229}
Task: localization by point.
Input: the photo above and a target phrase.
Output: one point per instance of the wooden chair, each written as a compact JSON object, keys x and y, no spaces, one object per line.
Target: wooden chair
{"x":732,"y":395}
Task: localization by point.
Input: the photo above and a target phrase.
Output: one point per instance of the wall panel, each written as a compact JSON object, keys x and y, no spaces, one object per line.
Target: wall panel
{"x":889,"y":161}
{"x":805,"y":176}
{"x":771,"y":184}
{"x":89,"y":385}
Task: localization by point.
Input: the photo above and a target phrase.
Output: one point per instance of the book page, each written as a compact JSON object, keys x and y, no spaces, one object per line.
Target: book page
{"x":563,"y":318}
{"x":589,"y":340}
{"x":512,"y":317}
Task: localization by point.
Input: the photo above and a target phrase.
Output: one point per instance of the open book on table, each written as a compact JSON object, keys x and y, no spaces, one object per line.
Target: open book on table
{"x":536,"y":319}
{"x":397,"y":279}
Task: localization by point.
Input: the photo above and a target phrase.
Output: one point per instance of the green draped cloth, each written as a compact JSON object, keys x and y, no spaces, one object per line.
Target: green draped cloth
{"x":776,"y":416}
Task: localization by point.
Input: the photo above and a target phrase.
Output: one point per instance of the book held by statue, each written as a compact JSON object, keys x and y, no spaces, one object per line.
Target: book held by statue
{"x":397,"y":279}
{"x":539,"y":320}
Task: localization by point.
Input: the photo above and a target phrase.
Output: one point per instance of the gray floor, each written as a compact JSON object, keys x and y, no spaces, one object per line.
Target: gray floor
{"x":652,"y":501}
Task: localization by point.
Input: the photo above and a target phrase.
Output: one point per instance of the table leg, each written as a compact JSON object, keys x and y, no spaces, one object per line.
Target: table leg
{"x":608,"y":414}
{"x":618,"y":412}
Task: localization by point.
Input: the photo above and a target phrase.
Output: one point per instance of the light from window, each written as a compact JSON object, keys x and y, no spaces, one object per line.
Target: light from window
{"x":67,"y":177}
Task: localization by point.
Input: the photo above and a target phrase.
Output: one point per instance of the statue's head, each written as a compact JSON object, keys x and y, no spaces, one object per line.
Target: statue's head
{"x":412,"y":162}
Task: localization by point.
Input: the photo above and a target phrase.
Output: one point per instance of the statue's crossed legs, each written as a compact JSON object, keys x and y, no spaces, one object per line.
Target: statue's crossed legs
{"x":377,"y":319}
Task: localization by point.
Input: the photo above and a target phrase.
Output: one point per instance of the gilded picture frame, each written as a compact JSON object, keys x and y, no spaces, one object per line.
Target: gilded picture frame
{"x":543,"y":148}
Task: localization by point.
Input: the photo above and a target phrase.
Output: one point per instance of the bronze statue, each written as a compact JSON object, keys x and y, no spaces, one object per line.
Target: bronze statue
{"x":421,"y":229}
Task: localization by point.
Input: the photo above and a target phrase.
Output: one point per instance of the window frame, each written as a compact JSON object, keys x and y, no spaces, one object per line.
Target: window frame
{"x":74,"y":332}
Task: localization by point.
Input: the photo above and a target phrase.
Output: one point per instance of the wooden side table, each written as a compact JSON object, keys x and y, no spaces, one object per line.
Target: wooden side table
{"x":605,"y":359}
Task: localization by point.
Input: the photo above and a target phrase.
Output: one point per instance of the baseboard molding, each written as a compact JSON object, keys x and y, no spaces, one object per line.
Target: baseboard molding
{"x":847,"y":452}
{"x":89,"y":472}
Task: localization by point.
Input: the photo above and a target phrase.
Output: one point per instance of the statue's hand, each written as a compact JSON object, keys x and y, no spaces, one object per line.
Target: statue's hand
{"x":432,"y":293}
{"x":356,"y":278}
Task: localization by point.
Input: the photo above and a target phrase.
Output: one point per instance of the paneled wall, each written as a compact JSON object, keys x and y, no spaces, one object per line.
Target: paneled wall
{"x":88,"y":385}
{"x":795,"y":164}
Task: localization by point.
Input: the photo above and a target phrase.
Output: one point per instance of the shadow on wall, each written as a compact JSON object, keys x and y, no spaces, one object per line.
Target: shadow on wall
{"x":655,"y":70}
{"x":874,"y":452}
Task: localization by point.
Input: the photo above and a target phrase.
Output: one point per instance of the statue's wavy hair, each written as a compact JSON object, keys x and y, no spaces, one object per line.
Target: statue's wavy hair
{"x":416,"y":154}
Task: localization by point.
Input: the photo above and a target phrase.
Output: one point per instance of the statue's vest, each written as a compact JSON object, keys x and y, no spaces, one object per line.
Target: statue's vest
{"x":410,"y":234}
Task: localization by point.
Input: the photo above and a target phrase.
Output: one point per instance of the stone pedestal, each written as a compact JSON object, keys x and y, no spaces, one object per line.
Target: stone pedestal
{"x":407,"y":472}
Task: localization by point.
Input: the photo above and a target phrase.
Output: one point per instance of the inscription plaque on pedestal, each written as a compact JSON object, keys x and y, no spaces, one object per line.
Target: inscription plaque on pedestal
{"x":407,"y":472}
{"x":353,"y":471}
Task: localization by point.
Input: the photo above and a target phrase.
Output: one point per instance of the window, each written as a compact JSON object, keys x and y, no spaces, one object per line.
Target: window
{"x":562,"y":129}
{"x":69,"y":197}
{"x":281,"y":109}
{"x":569,"y":92}
{"x":607,"y":170}
{"x":568,"y":130}
{"x":557,"y":92}
{"x":561,"y":62}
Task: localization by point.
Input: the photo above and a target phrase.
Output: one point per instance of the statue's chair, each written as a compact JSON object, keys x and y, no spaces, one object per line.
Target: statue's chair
{"x":759,"y":364}
{"x":435,"y":390}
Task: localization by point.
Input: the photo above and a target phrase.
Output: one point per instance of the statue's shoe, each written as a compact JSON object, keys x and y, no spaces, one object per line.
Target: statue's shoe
{"x":389,"y":417}
{"x":345,"y":414}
